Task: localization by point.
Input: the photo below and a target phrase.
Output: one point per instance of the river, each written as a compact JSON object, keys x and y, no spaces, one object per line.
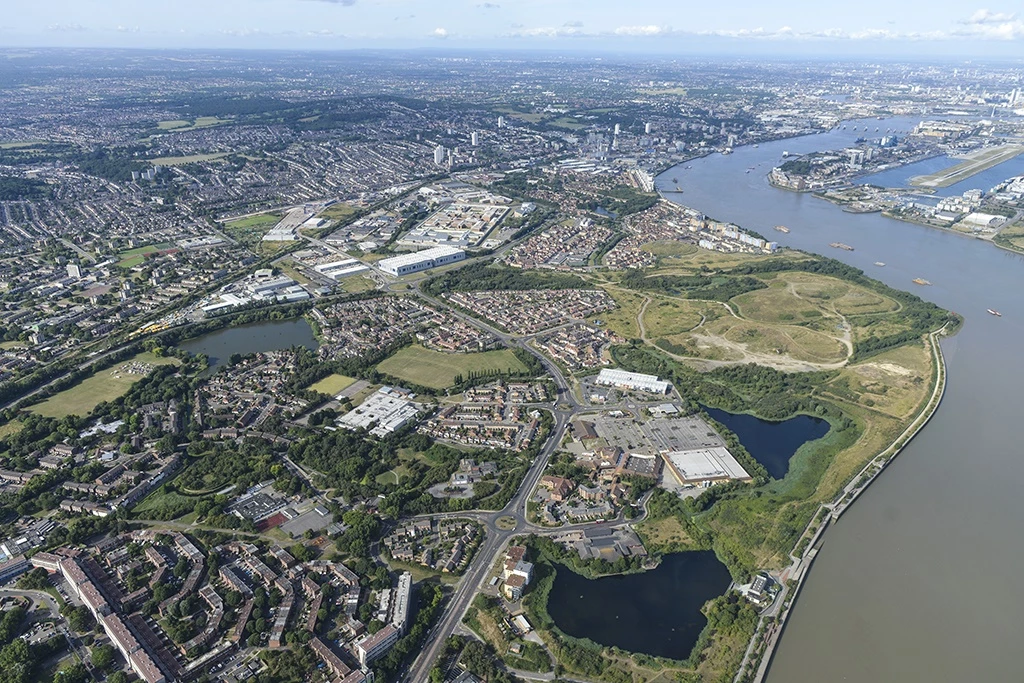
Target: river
{"x":919,"y":581}
{"x":270,"y":335}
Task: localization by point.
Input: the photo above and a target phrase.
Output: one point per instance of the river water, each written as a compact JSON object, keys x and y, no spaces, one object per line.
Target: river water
{"x":920,"y":579}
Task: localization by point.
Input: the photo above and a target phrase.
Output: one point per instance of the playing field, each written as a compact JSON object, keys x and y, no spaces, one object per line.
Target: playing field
{"x":134,"y":257}
{"x":105,"y":385}
{"x":332,"y":384}
{"x":438,"y":370}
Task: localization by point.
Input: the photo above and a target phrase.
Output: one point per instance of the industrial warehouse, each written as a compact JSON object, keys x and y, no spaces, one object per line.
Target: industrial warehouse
{"x":421,"y":260}
{"x":620,"y":379}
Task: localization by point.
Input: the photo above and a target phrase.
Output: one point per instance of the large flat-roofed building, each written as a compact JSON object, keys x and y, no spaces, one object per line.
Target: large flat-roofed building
{"x":705,"y":464}
{"x":385,"y":411}
{"x":421,"y":260}
{"x":622,"y":379}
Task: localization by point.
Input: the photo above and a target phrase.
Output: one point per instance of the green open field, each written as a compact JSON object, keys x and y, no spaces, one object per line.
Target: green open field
{"x":1011,"y":237}
{"x":191,"y":159}
{"x":19,"y":145}
{"x":260,"y":220}
{"x":12,"y":427}
{"x":160,"y":502}
{"x":354,"y":284}
{"x":251,"y":229}
{"x":333,"y":384}
{"x":664,"y":317}
{"x":135,"y":257}
{"x":337,"y":212}
{"x":105,"y":385}
{"x":438,"y":370}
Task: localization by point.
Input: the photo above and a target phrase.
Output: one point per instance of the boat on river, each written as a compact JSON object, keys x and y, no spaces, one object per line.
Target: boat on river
{"x":840,"y":245}
{"x":995,"y":313}
{"x":920,"y":281}
{"x":782,"y":228}
{"x":879,"y":264}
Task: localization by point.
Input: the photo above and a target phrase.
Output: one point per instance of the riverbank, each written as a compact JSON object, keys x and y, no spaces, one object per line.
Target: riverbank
{"x":771,"y":627}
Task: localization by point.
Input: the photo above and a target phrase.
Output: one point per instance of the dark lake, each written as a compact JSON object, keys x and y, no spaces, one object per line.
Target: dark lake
{"x":772,"y":443}
{"x":655,"y":612}
{"x":271,"y":335}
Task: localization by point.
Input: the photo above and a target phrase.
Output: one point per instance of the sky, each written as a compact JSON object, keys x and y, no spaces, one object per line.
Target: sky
{"x":866,"y":27}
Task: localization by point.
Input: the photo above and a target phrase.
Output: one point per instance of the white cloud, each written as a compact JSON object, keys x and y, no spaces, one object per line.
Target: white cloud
{"x":649,"y":30}
{"x":440,"y":33}
{"x":128,"y":29}
{"x":66,"y":27}
{"x":984,"y":16}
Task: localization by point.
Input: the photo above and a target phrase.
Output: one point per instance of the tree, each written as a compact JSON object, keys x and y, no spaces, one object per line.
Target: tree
{"x":103,"y":656}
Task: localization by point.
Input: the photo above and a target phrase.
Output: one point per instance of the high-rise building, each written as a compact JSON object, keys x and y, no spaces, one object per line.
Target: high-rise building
{"x":617,"y":129}
{"x":474,"y":139}
{"x":501,"y":122}
{"x":648,"y":128}
{"x":439,"y":155}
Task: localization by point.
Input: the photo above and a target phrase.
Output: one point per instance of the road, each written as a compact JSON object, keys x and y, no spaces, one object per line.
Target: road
{"x":565,"y":406}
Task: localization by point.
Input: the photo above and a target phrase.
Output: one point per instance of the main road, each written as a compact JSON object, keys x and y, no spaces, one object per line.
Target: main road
{"x":565,"y":406}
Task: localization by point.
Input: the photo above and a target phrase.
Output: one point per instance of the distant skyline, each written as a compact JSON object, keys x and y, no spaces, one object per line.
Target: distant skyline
{"x":785,"y":27}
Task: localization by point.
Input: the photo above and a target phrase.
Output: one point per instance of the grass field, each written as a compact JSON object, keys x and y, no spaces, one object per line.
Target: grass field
{"x":8,"y":345}
{"x":181,"y":125}
{"x":438,"y":370}
{"x":159,"y":501}
{"x":332,"y":384}
{"x":191,"y":159}
{"x":250,"y":230}
{"x":1011,"y":237}
{"x":665,"y":317}
{"x":337,"y":212}
{"x":12,"y":427}
{"x":171,"y":125}
{"x":19,"y":145}
{"x":665,"y":531}
{"x":105,"y":385}
{"x":135,"y":257}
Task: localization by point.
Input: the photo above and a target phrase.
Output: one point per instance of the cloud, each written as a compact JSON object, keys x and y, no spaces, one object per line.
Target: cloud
{"x":649,"y":30}
{"x":987,"y":25}
{"x":573,"y":24}
{"x":984,"y":16}
{"x":440,"y":33}
{"x":345,"y":3}
{"x":66,"y":27}
{"x":489,"y":5}
{"x":128,"y":29}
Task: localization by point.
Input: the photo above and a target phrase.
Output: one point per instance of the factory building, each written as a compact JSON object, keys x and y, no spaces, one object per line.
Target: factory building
{"x":421,"y":260}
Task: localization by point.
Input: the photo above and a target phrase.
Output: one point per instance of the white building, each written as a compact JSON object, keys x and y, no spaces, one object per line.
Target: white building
{"x":401,"y":599}
{"x":439,"y":155}
{"x":373,"y":647}
{"x":475,"y":139}
{"x":421,"y":260}
{"x":632,"y":380}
